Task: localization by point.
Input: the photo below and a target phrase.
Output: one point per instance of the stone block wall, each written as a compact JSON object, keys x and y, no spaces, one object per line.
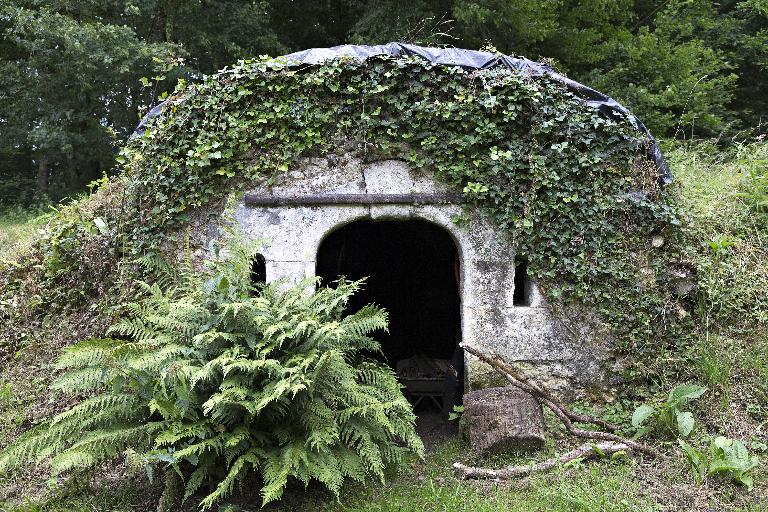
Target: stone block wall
{"x":292,"y":235}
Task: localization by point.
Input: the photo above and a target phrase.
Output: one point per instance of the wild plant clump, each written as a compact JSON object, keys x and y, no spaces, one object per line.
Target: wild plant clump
{"x":217,"y":380}
{"x":573,"y":186}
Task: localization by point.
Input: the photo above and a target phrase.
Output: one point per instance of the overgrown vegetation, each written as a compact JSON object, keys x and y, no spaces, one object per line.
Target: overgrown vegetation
{"x":217,"y":379}
{"x":725,"y":457}
{"x":79,"y":75}
{"x":679,"y":273}
{"x":524,"y":149}
{"x":668,"y":417}
{"x":726,"y":346}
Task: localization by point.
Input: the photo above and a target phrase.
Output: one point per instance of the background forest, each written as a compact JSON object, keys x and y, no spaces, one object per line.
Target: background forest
{"x":76,"y":76}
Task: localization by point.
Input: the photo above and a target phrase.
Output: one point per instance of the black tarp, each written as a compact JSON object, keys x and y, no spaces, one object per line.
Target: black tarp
{"x":472,"y":59}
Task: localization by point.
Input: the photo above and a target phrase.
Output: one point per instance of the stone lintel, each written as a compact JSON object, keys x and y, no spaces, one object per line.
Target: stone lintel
{"x":252,"y":199}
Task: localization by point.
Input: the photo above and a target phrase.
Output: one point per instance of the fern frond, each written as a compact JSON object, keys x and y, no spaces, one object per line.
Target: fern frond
{"x":367,"y":320}
{"x":83,"y":379}
{"x":183,"y":431}
{"x":236,"y":472}
{"x":89,"y":352}
{"x":120,"y":406}
{"x":274,"y":384}
{"x":195,"y":481}
{"x":54,"y":436}
{"x":114,"y":440}
{"x":72,"y":459}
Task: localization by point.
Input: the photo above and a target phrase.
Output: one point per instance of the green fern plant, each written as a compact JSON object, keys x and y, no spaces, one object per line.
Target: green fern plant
{"x":216,"y":380}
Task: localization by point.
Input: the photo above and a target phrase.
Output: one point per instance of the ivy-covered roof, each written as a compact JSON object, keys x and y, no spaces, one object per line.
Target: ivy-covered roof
{"x":569,"y":174}
{"x":471,"y":59}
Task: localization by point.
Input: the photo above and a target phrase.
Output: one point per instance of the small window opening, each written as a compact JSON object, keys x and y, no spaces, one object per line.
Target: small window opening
{"x":522,"y":295}
{"x":259,"y":270}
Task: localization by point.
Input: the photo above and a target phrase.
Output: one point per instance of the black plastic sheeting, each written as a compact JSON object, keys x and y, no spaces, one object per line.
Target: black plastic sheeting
{"x":471,"y":59}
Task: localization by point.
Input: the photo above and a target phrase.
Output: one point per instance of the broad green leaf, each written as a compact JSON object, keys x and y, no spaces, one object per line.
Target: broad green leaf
{"x":641,"y":414}
{"x":685,"y":392}
{"x":685,"y":423}
{"x":730,"y":457}
{"x":745,"y":480}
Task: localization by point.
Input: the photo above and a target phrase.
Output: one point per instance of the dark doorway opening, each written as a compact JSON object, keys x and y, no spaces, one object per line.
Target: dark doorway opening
{"x":412,"y":270}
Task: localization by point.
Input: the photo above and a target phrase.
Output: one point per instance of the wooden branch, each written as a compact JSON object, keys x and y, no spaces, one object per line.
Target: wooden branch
{"x":543,"y":392}
{"x":517,"y":379}
{"x":585,"y":451}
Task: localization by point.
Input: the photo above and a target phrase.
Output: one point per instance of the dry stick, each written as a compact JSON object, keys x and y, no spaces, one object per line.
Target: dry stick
{"x":556,"y":407}
{"x":544,"y":393}
{"x":518,"y":379}
{"x":585,"y":451}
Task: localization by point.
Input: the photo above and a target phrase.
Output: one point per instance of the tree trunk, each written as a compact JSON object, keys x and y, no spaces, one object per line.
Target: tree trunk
{"x":503,"y":419}
{"x":42,"y":175}
{"x":70,"y":180}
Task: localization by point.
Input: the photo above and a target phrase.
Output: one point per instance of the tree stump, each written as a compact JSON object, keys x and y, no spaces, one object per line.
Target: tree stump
{"x":502,"y":419}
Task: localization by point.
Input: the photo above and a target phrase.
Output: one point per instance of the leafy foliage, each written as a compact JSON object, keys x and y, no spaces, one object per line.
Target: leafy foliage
{"x":457,"y":413}
{"x":726,"y":457}
{"x":218,"y":380}
{"x":524,"y":149}
{"x":78,"y":75}
{"x":61,"y":77}
{"x":669,"y":417}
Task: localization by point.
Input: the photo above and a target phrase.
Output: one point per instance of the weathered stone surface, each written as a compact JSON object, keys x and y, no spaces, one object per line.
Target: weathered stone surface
{"x":388,"y":177}
{"x":530,"y":335}
{"x":503,"y":419}
{"x":519,"y":333}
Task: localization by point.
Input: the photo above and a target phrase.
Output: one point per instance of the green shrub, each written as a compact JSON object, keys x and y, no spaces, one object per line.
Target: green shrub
{"x":217,"y":380}
{"x":669,"y":418}
{"x":726,"y":457}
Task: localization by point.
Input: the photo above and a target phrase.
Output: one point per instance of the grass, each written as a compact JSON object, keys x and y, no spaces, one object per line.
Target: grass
{"x":622,"y":485}
{"x":129,"y":495}
{"x":17,"y":230}
{"x":606,"y":487}
{"x":421,"y":487}
{"x":722,"y":193}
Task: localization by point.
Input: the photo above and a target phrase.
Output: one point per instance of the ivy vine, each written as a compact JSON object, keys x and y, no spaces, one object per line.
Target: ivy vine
{"x":573,"y":186}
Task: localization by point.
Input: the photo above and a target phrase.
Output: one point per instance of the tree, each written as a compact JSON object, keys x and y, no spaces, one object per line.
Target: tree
{"x":76,"y":76}
{"x":72,"y":72}
{"x":70,"y":92}
{"x":669,"y":75}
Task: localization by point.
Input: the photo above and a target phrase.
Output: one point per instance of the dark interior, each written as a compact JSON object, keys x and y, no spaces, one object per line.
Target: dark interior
{"x":412,"y":271}
{"x":522,"y":294}
{"x":259,"y":270}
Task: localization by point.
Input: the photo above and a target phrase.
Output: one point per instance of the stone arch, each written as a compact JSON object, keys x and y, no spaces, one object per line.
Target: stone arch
{"x":410,"y":270}
{"x":440,"y":217}
{"x":321,"y":195}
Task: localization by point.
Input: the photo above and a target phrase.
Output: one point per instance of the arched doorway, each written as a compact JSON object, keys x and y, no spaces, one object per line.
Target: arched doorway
{"x":412,"y":270}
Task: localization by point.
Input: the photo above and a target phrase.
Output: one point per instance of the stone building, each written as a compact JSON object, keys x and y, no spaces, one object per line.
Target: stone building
{"x":443,"y":273}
